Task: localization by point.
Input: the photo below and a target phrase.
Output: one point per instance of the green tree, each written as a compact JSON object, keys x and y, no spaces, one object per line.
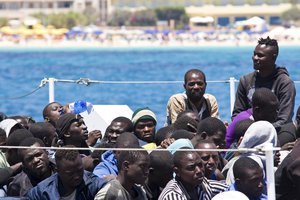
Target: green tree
{"x":3,"y":21}
{"x":63,"y":20}
{"x":91,"y":15}
{"x":143,"y":18}
{"x":292,"y":14}
{"x":119,"y":18}
{"x":176,"y":13}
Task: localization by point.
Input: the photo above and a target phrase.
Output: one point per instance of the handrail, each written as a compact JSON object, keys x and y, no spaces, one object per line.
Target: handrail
{"x":87,"y":82}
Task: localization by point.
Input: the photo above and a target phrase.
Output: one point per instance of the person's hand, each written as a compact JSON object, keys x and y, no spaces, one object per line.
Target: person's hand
{"x":93,"y":137}
{"x":288,"y":146}
{"x":167,"y":142}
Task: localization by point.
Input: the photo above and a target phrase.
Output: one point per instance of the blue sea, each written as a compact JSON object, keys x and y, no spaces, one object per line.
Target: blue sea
{"x":23,"y":69}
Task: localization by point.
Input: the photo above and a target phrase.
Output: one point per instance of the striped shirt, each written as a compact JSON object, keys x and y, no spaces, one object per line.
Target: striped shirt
{"x":174,"y":190}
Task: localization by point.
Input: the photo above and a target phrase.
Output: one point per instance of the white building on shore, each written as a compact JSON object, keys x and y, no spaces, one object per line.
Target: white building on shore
{"x":223,"y":12}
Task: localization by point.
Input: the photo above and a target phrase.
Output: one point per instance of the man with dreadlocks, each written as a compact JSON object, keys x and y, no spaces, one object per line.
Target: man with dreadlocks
{"x":268,"y":75}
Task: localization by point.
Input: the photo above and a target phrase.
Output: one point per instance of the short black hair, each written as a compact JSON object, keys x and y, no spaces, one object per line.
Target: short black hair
{"x":241,"y":128}
{"x":242,"y":165}
{"x":178,"y":134}
{"x":124,"y":120}
{"x":269,"y":42}
{"x":211,"y":126}
{"x":205,"y":141}
{"x":130,"y":156}
{"x":45,"y":110}
{"x":163,"y":133}
{"x":27,"y":143}
{"x":17,"y":136}
{"x":185,"y":112}
{"x":197,"y":71}
{"x":161,"y":160}
{"x":264,"y":97}
{"x":127,"y":140}
{"x":186,"y":123}
{"x":70,"y":155}
{"x":2,"y":116}
{"x":179,"y":155}
{"x":41,"y":129}
{"x":2,"y":132}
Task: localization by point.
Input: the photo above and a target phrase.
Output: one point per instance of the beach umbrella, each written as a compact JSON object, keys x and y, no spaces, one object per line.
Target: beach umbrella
{"x":8,"y":30}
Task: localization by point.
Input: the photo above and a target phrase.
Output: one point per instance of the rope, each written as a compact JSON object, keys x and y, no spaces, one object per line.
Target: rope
{"x":42,"y":84}
{"x":140,"y":149}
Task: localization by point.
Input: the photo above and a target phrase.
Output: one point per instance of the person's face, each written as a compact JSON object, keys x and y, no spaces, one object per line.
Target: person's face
{"x":267,"y":113}
{"x":78,"y":130}
{"x":71,"y":172}
{"x":210,"y":159}
{"x":145,"y":130}
{"x":139,"y":170}
{"x":114,"y":130}
{"x":195,"y":86}
{"x":35,"y":161}
{"x":263,"y":57}
{"x":252,"y":183}
{"x":219,"y":139}
{"x":53,"y":112}
{"x":191,"y":169}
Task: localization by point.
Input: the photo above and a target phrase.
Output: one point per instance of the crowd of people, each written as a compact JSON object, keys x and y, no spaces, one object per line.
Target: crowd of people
{"x":61,"y":158}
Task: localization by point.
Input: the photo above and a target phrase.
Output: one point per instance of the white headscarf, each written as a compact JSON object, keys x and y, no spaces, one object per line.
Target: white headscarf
{"x":259,"y":134}
{"x":230,"y":195}
{"x":7,"y":124}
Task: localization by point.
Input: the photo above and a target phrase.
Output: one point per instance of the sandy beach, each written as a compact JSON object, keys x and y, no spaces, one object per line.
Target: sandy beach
{"x":133,"y":44}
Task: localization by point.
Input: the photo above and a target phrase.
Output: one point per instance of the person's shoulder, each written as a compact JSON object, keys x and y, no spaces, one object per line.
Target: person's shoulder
{"x":172,"y":187}
{"x":247,"y":77}
{"x":178,"y":96}
{"x":48,"y":182}
{"x":209,"y":96}
{"x":90,"y":177}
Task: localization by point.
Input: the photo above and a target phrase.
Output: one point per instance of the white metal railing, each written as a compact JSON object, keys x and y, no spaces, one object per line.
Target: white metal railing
{"x":87,"y":81}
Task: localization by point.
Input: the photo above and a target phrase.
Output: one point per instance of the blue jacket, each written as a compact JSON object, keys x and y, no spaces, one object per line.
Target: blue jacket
{"x":262,"y":197}
{"x":107,"y":166}
{"x":50,"y":188}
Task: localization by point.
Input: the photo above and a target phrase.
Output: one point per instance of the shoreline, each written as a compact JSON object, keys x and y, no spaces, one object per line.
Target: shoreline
{"x":123,"y":44}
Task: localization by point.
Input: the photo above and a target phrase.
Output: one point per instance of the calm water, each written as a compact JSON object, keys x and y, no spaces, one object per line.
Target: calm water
{"x":23,"y":69}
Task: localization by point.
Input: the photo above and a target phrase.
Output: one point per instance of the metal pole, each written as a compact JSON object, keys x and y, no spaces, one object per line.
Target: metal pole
{"x":232,"y":93}
{"x":51,"y":89}
{"x":268,"y":148}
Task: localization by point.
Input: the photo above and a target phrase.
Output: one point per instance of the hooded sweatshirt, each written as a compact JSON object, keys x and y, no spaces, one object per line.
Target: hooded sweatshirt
{"x":107,"y":166}
{"x":278,"y":82}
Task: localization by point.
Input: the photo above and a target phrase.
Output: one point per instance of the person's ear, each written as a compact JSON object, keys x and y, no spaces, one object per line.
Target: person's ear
{"x":237,"y":181}
{"x":125,"y":165}
{"x":45,"y":141}
{"x":203,"y":135}
{"x":274,"y":56}
{"x":184,"y":85}
{"x":47,"y":119}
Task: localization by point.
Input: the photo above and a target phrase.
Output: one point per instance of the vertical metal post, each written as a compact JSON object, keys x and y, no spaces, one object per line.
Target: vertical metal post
{"x":232,"y":93}
{"x":268,"y":148}
{"x":51,"y":89}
